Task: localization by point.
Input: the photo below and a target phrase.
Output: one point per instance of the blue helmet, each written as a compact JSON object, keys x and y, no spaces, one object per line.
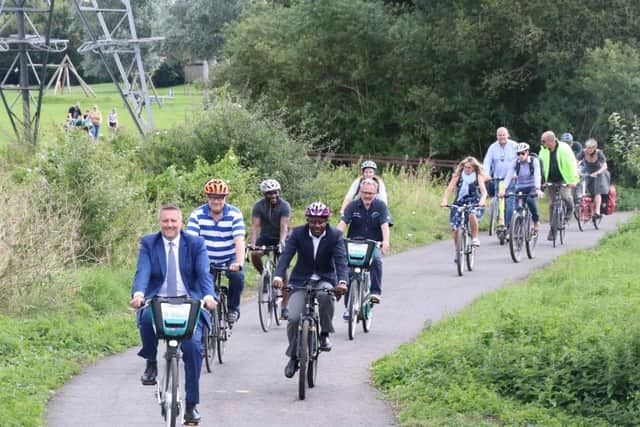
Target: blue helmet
{"x":566,"y":137}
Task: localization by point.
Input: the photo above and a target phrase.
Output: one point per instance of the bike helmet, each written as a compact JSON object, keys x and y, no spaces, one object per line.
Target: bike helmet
{"x":522,"y":146}
{"x":317,"y":209}
{"x":368,"y":164}
{"x":566,"y":137}
{"x":269,"y":185}
{"x":216,"y":186}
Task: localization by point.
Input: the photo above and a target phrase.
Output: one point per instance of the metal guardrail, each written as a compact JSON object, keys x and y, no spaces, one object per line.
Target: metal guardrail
{"x":389,"y":160}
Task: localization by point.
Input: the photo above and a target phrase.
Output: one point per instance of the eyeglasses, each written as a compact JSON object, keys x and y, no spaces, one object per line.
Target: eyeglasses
{"x":522,"y":153}
{"x":368,"y":193}
{"x":215,"y":197}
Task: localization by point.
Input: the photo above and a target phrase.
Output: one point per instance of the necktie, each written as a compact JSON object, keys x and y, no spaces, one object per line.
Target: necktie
{"x":172,"y":281}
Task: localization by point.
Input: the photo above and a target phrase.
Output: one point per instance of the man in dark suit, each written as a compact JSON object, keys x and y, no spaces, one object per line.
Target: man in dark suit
{"x":321,"y":259}
{"x":172,"y":263}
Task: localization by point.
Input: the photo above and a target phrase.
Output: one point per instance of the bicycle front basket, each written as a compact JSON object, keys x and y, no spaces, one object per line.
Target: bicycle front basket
{"x":360,"y":252}
{"x":175,"y":317}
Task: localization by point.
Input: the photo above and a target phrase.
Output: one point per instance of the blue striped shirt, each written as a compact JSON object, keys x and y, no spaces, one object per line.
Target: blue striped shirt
{"x":218,"y":235}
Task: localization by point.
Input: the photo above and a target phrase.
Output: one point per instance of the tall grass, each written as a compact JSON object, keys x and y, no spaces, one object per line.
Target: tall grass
{"x":561,"y":349}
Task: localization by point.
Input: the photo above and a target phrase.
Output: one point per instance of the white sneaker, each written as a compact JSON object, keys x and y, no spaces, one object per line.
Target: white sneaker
{"x":345,"y":316}
{"x":475,"y":242}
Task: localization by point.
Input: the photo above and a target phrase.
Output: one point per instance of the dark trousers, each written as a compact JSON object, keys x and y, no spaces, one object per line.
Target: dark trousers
{"x":236,"y":286}
{"x":296,"y":309}
{"x":191,"y":354}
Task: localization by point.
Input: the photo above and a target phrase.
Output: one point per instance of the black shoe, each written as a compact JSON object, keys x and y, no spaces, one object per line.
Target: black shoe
{"x":550,"y":236}
{"x":150,"y":373}
{"x":291,"y":368}
{"x":233,"y":316}
{"x":325,"y":343}
{"x":191,"y":416}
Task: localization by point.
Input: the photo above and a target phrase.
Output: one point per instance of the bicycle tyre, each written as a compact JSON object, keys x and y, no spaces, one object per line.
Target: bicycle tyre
{"x":517,"y":237}
{"x":303,"y":358}
{"x":460,"y":251}
{"x":563,"y":225}
{"x":223,"y":327}
{"x":171,"y":394}
{"x":469,"y":253}
{"x":366,"y":308}
{"x":208,"y":345}
{"x":579,"y":215}
{"x":265,"y":303}
{"x":597,"y":221}
{"x":352,"y":307}
{"x":493,"y":215}
{"x":531,"y":239}
{"x":555,"y":220}
{"x":312,"y":369}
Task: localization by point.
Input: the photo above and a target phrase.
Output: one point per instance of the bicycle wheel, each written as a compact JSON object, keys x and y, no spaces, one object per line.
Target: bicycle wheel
{"x":171,"y":398}
{"x":469,"y":253}
{"x":352,"y":307}
{"x":493,"y":216}
{"x":312,"y":368}
{"x":208,"y":345}
{"x":223,"y":327}
{"x":366,"y":308}
{"x":555,"y":221}
{"x":517,"y":237}
{"x":596,"y":221}
{"x":580,"y":213}
{"x":265,"y":303}
{"x":531,"y":238}
{"x":460,"y":233}
{"x":276,"y":303}
{"x":303,"y":358}
{"x":563,"y":226}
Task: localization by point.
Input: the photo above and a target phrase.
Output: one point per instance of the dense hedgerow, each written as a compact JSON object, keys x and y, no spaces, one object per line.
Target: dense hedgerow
{"x":561,"y":350}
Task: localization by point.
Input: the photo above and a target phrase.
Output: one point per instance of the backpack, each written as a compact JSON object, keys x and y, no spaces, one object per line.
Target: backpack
{"x":532,"y":156}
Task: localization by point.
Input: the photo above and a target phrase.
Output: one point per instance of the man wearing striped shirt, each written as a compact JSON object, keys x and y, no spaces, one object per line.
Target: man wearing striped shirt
{"x":222,"y":227}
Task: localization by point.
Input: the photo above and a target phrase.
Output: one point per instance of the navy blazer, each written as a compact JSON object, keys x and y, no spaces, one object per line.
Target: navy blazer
{"x":192,"y":258}
{"x":330,"y":262}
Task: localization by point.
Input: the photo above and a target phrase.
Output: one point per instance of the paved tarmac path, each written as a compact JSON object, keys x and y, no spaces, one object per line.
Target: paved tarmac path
{"x":249,"y":389}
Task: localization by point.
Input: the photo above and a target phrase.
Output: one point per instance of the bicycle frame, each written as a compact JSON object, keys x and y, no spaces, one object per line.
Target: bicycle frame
{"x":558,"y":212}
{"x":585,"y":208}
{"x":359,"y":300}
{"x":464,"y":250}
{"x":521,"y":228}
{"x":269,"y":299}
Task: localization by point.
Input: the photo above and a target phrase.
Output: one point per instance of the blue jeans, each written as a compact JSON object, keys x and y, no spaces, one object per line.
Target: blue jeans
{"x":236,"y":286}
{"x":530,"y":201}
{"x":191,"y":354}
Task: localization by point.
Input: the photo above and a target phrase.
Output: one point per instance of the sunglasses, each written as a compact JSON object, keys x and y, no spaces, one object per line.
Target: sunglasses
{"x":522,"y":153}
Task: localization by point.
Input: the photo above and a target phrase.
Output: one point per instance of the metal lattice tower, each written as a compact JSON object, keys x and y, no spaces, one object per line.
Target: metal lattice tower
{"x":19,"y":34}
{"x":112,"y":32}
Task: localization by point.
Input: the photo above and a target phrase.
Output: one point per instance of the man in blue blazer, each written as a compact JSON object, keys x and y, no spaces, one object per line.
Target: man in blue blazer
{"x":321,"y":259}
{"x":172,"y":263}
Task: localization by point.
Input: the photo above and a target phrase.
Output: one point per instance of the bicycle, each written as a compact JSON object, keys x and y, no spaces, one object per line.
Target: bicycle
{"x":495,"y":213}
{"x":558,"y":214}
{"x":521,"y":228}
{"x":465,"y":251}
{"x":585,"y":209}
{"x":214,"y":340}
{"x":359,"y":305}
{"x":174,"y":320}
{"x":269,"y":299}
{"x":308,"y":342}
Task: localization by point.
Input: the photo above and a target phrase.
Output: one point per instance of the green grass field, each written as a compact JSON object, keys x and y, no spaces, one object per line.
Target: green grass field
{"x":187,"y":100}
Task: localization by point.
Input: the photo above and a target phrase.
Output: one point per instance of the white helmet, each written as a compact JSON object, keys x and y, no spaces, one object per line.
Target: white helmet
{"x":368,"y":164}
{"x":522,"y":146}
{"x":269,"y":185}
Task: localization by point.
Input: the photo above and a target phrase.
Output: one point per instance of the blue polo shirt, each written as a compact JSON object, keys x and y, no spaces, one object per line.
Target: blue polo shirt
{"x":365,"y":223}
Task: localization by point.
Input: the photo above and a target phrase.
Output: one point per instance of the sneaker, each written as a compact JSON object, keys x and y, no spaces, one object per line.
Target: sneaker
{"x":284,"y":313}
{"x":476,"y":242}
{"x":291,"y":368}
{"x":345,"y":316}
{"x":233,"y":316}
{"x":325,"y":342}
{"x":375,"y":298}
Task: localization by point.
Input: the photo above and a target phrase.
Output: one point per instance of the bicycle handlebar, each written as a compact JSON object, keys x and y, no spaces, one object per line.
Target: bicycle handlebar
{"x":263,"y":248}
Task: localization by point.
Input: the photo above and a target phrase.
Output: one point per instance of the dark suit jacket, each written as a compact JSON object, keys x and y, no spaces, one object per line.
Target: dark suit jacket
{"x":192,"y":258}
{"x":330,"y":262}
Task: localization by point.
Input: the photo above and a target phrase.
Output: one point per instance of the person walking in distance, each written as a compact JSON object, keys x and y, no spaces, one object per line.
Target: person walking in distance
{"x":172,"y":263}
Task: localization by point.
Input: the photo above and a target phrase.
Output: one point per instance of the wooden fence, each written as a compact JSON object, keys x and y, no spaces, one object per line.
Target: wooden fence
{"x":387,"y":160}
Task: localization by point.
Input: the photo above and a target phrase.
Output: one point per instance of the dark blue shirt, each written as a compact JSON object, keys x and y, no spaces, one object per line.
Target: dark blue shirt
{"x":365,"y":223}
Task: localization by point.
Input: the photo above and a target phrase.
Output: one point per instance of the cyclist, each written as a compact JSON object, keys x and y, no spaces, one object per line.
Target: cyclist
{"x":559,"y":168}
{"x":368,"y":168}
{"x":576,"y":147}
{"x":594,"y":163}
{"x":468,"y":181}
{"x":222,"y":227}
{"x":368,"y":218}
{"x":269,"y":226}
{"x":500,"y":156}
{"x":528,"y":180}
{"x":172,"y":263}
{"x":321,"y":259}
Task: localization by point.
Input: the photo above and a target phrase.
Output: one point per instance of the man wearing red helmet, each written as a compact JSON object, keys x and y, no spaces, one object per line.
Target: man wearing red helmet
{"x":322,"y":260}
{"x":222,"y":227}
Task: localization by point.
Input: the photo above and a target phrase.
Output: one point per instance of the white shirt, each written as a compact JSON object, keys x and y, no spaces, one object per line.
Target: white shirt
{"x":182,"y":290}
{"x":316,"y":242}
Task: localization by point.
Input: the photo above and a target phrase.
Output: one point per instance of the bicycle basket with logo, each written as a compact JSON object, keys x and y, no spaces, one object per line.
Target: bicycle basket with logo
{"x":360,"y":252}
{"x":175,"y":318}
